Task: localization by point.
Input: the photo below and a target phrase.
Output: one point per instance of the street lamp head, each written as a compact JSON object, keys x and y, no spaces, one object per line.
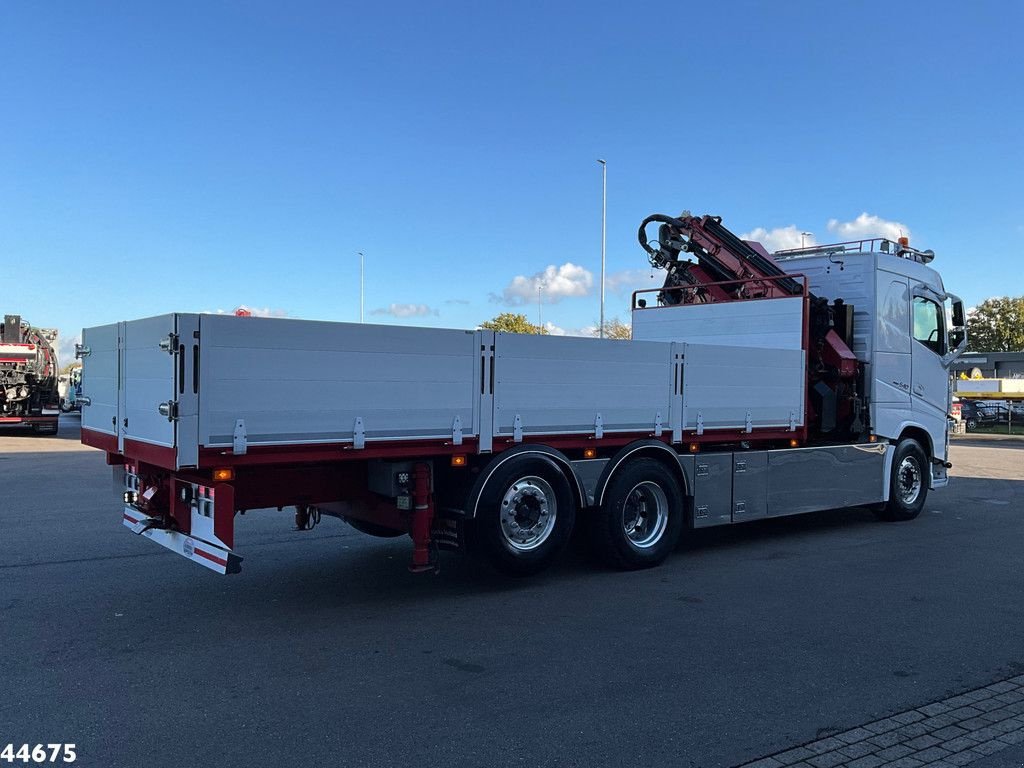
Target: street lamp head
{"x":602,"y":162}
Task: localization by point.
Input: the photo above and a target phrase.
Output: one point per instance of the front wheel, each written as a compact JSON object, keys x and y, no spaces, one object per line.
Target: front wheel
{"x":908,"y":482}
{"x":525,"y":516}
{"x":641,"y":517}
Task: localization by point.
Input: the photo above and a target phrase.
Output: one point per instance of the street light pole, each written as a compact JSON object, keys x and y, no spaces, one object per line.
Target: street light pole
{"x":540,"y":304}
{"x":362,"y":273}
{"x":604,"y":220}
{"x":803,"y":235}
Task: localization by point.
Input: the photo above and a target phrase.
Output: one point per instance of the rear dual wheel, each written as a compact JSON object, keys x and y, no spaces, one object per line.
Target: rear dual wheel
{"x":525,"y":516}
{"x":640,"y":518}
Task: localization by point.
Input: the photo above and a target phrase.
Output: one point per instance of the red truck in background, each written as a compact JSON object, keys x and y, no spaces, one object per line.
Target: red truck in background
{"x":28,"y":376}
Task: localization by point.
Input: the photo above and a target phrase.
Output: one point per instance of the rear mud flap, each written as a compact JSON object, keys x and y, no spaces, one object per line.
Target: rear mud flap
{"x":211,"y":556}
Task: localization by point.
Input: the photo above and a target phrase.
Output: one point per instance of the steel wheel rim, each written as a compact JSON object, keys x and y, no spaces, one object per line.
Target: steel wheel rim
{"x":908,"y":479}
{"x":645,"y":514}
{"x":528,"y":512}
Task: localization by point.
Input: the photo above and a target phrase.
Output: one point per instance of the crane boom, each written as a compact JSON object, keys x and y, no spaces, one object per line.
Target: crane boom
{"x":726,"y":266}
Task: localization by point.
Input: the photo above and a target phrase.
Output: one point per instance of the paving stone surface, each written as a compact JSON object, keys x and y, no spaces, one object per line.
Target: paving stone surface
{"x":951,"y":732}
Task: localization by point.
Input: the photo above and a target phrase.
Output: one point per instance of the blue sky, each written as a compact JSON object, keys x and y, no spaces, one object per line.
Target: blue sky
{"x":199,"y":156}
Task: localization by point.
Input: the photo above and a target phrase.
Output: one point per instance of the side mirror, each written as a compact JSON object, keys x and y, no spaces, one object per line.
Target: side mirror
{"x":959,"y":321}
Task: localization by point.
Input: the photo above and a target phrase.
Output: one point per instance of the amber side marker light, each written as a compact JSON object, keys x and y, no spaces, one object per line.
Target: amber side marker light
{"x":694,"y":447}
{"x":458,"y":460}
{"x":794,"y":443}
{"x":590,"y":453}
{"x":223,"y":474}
{"x":872,"y":438}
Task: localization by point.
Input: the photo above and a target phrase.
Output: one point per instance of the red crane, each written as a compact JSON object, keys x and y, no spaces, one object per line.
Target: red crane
{"x":728,"y":268}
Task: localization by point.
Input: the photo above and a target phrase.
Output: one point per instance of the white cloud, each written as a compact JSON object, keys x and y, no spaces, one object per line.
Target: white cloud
{"x":557,"y":330}
{"x":556,"y":283}
{"x":629,"y":280}
{"x":405,"y":310}
{"x":66,"y":347}
{"x":586,"y":330}
{"x":456,"y":301}
{"x":780,"y":238}
{"x":867,"y":225}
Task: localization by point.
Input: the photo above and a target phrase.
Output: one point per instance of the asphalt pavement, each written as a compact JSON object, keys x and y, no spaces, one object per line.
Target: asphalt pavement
{"x":324,"y":650}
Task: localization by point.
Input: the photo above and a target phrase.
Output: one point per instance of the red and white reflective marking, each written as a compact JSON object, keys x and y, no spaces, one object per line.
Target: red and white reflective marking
{"x":215,"y":558}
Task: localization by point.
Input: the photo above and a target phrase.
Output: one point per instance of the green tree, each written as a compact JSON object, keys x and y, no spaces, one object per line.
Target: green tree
{"x":615,"y":329}
{"x":997,"y":325}
{"x":511,"y":322}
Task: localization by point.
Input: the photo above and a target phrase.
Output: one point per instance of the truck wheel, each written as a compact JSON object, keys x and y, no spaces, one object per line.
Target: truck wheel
{"x":972,"y":424}
{"x":908,"y":483}
{"x":525,"y":517}
{"x":371,"y":529}
{"x":639,"y":523}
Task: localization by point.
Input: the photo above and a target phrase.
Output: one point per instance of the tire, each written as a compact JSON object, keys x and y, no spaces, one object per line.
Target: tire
{"x":641,"y":518}
{"x":908,"y":482}
{"x":972,"y":424}
{"x":525,"y":517}
{"x":372,"y":529}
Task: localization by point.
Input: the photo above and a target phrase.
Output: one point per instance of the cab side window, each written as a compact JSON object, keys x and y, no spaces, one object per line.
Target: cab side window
{"x":928,"y":325}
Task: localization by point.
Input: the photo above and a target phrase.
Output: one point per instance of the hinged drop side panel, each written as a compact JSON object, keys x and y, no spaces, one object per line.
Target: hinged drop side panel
{"x":160,"y":393}
{"x":563,"y":385}
{"x":743,"y":388}
{"x":101,"y":372}
{"x":303,"y":382}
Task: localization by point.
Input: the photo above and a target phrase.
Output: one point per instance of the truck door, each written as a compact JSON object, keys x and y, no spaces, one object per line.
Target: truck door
{"x":929,"y":377}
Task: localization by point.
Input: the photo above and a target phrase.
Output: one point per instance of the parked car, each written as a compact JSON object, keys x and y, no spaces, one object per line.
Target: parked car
{"x":975,"y":413}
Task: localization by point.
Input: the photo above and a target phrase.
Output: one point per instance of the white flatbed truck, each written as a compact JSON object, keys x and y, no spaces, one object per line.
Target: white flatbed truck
{"x":755,"y":386}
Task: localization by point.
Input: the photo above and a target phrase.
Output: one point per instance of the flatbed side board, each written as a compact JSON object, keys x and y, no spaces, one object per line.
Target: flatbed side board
{"x":743,"y":388}
{"x":565,"y":385}
{"x":183,"y":390}
{"x":314,"y":382}
{"x":101,"y":380}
